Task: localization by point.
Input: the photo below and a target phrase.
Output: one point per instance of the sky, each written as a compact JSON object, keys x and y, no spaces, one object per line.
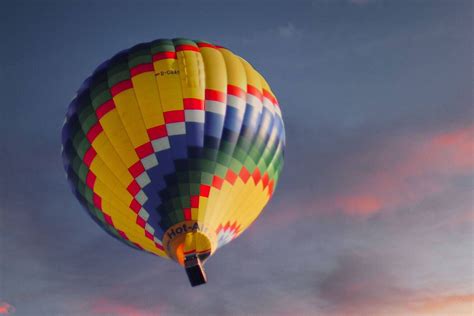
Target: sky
{"x":374,"y":211}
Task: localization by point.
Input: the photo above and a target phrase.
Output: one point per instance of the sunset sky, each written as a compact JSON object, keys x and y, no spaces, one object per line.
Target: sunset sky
{"x":374,"y":213}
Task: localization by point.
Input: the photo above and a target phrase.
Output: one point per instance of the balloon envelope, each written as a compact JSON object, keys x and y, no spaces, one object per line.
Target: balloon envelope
{"x":174,"y":147}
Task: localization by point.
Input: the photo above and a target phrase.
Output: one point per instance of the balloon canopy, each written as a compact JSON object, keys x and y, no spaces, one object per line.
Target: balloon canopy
{"x":174,"y":147}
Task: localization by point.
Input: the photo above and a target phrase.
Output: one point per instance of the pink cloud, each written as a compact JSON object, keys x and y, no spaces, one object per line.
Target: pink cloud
{"x":6,"y":309}
{"x":359,"y":204}
{"x":412,"y":303}
{"x":446,"y":305}
{"x":110,"y":307}
{"x":403,"y":172}
{"x":456,"y":148}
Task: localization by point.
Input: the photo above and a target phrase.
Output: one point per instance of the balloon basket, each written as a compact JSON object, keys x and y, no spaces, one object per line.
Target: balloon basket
{"x":195,"y":270}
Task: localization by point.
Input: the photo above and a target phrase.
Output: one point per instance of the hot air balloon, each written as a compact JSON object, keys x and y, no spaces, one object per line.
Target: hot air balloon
{"x":174,"y":147}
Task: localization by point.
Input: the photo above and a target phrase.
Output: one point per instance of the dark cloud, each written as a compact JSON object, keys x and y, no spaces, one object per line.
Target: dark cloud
{"x":360,"y":283}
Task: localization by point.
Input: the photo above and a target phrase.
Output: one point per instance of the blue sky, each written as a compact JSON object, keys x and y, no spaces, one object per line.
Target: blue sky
{"x":374,"y":210}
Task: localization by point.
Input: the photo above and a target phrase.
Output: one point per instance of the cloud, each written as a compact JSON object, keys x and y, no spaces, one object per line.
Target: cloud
{"x":462,"y":304}
{"x":359,"y":205}
{"x":464,"y":217}
{"x":287,"y":31}
{"x":279,"y":36}
{"x":400,"y":172}
{"x":6,"y":309}
{"x":361,"y":284}
{"x":110,"y":307}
